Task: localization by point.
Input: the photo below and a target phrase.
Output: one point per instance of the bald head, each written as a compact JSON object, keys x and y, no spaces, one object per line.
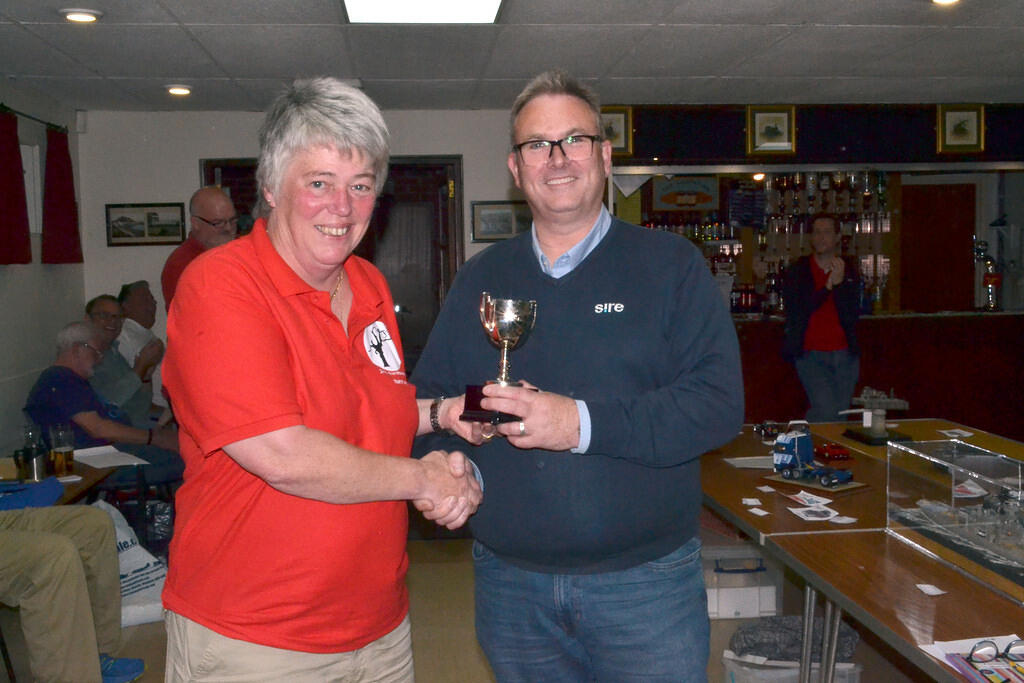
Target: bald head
{"x":212,"y":216}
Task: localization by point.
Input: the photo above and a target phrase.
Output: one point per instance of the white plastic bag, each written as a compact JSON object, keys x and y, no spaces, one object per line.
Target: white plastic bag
{"x":142,"y":574}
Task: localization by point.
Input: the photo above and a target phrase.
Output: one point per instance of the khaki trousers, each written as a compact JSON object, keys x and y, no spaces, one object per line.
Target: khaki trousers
{"x":58,"y":565}
{"x":196,"y":653}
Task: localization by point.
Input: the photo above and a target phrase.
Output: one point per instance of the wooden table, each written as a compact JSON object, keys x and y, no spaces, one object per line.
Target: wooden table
{"x":726,"y":486}
{"x":861,"y":568}
{"x":873,"y":577}
{"x":91,"y":478}
{"x":73,"y":491}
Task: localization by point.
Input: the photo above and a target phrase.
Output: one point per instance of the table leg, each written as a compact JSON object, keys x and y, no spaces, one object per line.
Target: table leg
{"x":830,"y":641}
{"x":810,"y":598}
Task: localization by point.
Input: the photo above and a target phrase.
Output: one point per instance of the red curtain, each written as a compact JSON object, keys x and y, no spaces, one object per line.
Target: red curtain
{"x":61,"y":243}
{"x":14,"y":240}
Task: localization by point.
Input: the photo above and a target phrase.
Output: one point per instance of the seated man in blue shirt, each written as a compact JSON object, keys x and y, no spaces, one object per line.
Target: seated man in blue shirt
{"x":63,"y":394}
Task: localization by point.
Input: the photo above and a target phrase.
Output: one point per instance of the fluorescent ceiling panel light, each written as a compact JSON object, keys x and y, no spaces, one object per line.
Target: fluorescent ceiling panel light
{"x":421,"y":12}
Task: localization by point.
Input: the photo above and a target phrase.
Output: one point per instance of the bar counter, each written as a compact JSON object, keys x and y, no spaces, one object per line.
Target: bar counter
{"x":968,"y":367}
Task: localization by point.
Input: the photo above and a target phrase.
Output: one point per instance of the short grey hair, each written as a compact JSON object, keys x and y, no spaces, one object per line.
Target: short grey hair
{"x":321,"y":111}
{"x":74,"y":334}
{"x":554,"y":82}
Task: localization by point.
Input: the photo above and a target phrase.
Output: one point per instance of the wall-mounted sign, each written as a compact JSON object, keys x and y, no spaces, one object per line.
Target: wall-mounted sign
{"x":685,"y":193}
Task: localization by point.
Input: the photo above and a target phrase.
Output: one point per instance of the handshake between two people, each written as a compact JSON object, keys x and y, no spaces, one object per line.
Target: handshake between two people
{"x":546,"y":420}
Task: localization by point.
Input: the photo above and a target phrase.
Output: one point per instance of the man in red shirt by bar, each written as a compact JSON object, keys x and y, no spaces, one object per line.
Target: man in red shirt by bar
{"x":820,"y":295}
{"x":213,"y":222}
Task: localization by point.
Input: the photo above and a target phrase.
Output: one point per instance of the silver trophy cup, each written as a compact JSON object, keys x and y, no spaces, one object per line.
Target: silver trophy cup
{"x":507,"y":323}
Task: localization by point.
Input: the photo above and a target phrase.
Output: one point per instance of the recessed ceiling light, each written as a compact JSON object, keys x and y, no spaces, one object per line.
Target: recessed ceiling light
{"x":758,"y":177}
{"x":945,"y":2}
{"x":81,"y":16}
{"x":419,"y":12}
{"x":179,"y":90}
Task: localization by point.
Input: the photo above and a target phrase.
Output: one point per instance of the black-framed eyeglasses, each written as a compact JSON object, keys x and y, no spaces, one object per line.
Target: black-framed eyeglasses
{"x":987,"y":651}
{"x":573,"y":147}
{"x":220,"y":222}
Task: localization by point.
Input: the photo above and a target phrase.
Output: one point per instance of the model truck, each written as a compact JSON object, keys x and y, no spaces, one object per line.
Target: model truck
{"x":793,"y":457}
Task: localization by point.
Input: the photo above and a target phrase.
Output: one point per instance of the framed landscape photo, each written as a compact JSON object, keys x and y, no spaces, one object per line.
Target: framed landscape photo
{"x":131,"y":225}
{"x":771,"y":129}
{"x":960,"y":128}
{"x":617,"y":128}
{"x":493,"y":221}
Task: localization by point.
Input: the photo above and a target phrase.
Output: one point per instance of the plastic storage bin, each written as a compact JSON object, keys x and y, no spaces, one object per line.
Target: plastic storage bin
{"x":740,"y":582}
{"x":768,"y":671}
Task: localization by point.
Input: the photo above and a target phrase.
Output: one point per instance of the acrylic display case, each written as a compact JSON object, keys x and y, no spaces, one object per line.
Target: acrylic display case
{"x":961,"y":504}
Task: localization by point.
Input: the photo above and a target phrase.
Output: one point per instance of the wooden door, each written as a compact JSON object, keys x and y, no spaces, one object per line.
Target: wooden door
{"x":415,"y":240}
{"x":936,"y":248}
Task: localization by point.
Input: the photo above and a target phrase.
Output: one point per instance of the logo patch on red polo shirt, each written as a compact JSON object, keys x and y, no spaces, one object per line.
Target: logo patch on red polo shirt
{"x":380,"y":347}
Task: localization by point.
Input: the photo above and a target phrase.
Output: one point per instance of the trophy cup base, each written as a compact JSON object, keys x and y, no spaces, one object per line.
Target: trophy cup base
{"x":474,"y":413}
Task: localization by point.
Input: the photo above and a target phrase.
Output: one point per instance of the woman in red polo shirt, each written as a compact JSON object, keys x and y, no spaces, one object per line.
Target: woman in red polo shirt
{"x":286,"y":372}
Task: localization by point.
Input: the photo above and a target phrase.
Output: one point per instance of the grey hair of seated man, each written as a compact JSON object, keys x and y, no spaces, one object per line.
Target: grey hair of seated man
{"x":554,"y":82}
{"x":321,"y":112}
{"x":74,"y":334}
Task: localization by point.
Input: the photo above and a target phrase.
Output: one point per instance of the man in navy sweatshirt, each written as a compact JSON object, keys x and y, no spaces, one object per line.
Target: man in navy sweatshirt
{"x":587,"y":555}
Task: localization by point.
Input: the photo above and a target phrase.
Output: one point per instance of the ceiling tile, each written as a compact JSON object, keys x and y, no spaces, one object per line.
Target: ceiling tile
{"x":156,"y":51}
{"x":421,"y":52}
{"x":278,"y":51}
{"x":671,"y":51}
{"x":525,"y":51}
{"x":271,"y":12}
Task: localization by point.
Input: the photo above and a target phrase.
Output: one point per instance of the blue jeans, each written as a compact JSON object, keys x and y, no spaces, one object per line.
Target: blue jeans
{"x":829,"y":378}
{"x":647,"y":623}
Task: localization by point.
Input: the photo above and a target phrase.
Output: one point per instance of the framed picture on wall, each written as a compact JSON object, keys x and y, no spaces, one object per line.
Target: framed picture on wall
{"x":493,"y":221}
{"x":771,"y":129}
{"x":617,"y":128}
{"x":960,"y":128}
{"x":133,"y":225}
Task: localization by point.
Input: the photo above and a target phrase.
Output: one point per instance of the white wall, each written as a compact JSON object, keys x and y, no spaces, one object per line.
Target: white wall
{"x":136,"y":157}
{"x":36,"y":300}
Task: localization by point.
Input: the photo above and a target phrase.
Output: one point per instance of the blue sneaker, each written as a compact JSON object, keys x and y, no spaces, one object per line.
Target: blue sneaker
{"x":121,"y":669}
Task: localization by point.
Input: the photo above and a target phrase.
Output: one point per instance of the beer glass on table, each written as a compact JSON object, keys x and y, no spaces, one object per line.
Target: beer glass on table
{"x":62,"y":448}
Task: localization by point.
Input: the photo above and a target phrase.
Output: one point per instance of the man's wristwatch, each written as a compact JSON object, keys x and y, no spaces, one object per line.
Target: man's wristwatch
{"x":435,"y":424}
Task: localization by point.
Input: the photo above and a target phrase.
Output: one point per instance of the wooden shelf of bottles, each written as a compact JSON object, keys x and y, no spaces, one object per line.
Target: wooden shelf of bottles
{"x":756,"y":251}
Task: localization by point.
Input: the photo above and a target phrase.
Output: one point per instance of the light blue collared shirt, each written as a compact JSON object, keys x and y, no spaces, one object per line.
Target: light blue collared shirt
{"x":562,"y":266}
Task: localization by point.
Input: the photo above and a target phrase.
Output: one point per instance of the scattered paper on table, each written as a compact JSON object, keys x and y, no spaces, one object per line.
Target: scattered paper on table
{"x":751,"y":501}
{"x":956,"y":433}
{"x":69,"y":479}
{"x":757,"y":462}
{"x":766,"y":489}
{"x":807,"y":498}
{"x":814,"y":514}
{"x":759,"y":512}
{"x":841,"y":519}
{"x":929,"y":589}
{"x":106,"y":456}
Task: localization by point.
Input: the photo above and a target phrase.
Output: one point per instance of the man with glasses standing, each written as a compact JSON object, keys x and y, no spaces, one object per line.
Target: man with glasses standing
{"x":586,"y":553}
{"x":213,"y":221}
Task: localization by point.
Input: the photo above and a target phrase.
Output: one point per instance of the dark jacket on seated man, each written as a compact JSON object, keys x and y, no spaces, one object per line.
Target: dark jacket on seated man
{"x":63,"y":394}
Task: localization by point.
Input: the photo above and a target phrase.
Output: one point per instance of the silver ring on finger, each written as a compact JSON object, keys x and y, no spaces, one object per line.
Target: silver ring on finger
{"x":522,"y":428}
